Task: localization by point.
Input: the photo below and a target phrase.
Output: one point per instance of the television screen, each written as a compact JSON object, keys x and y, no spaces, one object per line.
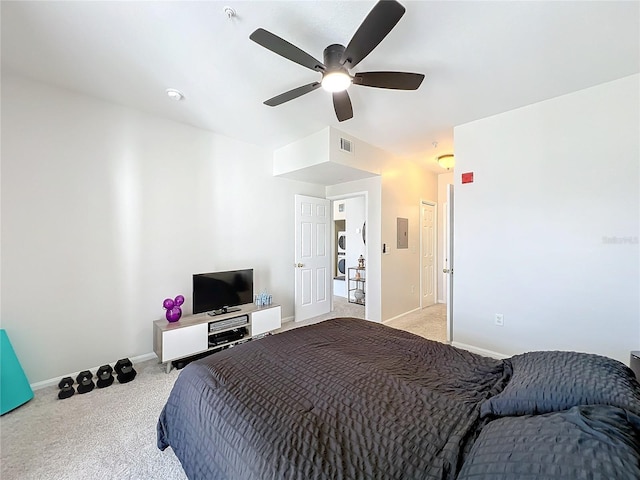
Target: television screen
{"x":213,"y":291}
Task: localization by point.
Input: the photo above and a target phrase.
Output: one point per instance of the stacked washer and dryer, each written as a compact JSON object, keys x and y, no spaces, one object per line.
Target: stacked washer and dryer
{"x":341,"y":267}
{"x":339,"y":279}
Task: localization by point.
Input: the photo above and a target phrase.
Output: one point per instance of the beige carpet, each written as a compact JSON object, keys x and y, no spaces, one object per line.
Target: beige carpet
{"x":105,"y":434}
{"x":341,"y":308}
{"x":430,"y":322}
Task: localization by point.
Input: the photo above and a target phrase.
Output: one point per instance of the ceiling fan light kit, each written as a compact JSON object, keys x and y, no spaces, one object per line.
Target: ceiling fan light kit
{"x":336,"y":81}
{"x":338,"y":60}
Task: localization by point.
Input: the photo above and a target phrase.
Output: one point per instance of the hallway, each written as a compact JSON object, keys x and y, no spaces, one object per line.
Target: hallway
{"x":429,"y":322}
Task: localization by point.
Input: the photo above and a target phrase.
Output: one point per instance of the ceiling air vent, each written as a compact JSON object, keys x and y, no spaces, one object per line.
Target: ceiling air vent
{"x":346,"y":145}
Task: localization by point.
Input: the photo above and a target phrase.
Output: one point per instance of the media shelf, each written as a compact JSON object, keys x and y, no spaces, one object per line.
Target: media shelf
{"x":356,"y":290}
{"x":195,"y":334}
{"x":226,"y":332}
{"x":227,"y":338}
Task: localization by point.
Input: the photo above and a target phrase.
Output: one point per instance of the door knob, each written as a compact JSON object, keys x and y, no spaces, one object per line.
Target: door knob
{"x":299,"y":265}
{"x":445,"y":270}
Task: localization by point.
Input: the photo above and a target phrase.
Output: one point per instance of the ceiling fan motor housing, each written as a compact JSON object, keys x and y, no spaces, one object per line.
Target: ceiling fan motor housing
{"x":332,"y":58}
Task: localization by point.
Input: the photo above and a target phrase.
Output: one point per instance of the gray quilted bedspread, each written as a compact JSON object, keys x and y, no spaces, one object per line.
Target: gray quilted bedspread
{"x":595,"y":442}
{"x":344,"y":399}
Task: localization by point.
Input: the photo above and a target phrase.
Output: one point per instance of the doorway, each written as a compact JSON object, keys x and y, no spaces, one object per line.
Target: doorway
{"x":350,"y":243}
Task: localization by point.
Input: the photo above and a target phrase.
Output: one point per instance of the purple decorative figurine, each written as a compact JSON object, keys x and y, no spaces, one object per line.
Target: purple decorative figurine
{"x":174,"y":312}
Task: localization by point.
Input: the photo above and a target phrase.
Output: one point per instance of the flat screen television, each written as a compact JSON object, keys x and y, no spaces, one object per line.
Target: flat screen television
{"x":220,"y":292}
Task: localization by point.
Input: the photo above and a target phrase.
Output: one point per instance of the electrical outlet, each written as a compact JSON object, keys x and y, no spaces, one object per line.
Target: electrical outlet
{"x":499,"y":320}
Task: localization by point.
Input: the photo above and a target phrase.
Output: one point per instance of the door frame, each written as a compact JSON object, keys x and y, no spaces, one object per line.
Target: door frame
{"x":435,"y":249}
{"x":449,"y":255}
{"x":345,"y":196}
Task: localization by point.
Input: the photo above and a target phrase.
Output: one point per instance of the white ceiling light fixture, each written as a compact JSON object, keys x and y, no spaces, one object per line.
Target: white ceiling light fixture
{"x":174,"y":94}
{"x":447,"y":161}
{"x":336,"y":81}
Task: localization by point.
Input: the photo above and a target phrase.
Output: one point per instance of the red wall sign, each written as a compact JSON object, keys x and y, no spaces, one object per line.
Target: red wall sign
{"x":467,"y":177}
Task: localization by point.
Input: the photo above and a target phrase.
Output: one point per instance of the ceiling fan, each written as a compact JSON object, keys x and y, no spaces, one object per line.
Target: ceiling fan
{"x":338,"y":60}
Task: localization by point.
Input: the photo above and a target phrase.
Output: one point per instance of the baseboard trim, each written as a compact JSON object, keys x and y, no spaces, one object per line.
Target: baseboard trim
{"x":480,"y":351}
{"x":287,"y":320}
{"x":55,"y":381}
{"x":401,"y":315}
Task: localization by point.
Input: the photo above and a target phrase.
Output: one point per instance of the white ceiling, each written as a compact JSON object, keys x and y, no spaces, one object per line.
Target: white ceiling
{"x":480,"y":58}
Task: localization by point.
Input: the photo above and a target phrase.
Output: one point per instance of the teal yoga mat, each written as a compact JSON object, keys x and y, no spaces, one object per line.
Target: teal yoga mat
{"x":14,"y":386}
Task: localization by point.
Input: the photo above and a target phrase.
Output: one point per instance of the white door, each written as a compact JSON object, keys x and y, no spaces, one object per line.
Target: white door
{"x":312,"y":257}
{"x":427,"y":280}
{"x":448,"y":262}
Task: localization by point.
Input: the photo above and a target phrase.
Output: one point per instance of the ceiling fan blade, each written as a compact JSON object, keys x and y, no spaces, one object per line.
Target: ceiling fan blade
{"x":285,"y":49}
{"x":380,"y":21}
{"x":291,"y":94}
{"x":342,"y":105}
{"x":395,"y":80}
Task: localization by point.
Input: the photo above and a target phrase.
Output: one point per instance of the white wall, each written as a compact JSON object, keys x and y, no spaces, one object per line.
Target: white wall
{"x":306,"y":152}
{"x":404,"y":186}
{"x":106,"y":211}
{"x":363,"y":156}
{"x":318,"y":158}
{"x":548,"y":232}
{"x":337,"y":214}
{"x":355,"y":218}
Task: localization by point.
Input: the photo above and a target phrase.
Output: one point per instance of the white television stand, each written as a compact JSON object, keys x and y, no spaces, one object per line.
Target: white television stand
{"x":194,"y":334}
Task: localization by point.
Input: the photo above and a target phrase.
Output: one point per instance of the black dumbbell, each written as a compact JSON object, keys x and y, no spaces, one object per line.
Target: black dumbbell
{"x":124,"y":369}
{"x":105,"y":376}
{"x":85,"y":381}
{"x":66,"y":388}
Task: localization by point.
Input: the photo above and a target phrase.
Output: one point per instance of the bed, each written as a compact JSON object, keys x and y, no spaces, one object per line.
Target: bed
{"x":352,"y":399}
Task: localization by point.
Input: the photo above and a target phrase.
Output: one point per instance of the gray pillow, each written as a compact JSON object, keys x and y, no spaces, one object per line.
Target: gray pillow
{"x":590,"y":442}
{"x":551,"y":381}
